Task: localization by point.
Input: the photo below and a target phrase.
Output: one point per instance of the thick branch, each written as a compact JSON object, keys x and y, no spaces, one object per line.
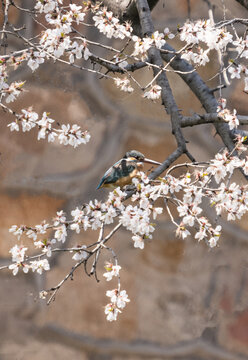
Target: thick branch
{"x":244,"y":3}
{"x":155,"y":58}
{"x":201,"y":90}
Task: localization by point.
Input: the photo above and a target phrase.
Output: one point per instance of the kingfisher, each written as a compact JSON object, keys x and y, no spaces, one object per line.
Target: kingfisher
{"x":122,"y":172}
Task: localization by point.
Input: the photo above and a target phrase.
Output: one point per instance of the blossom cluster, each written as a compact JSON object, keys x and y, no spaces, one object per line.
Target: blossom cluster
{"x":123,"y":84}
{"x":18,"y":258}
{"x":9,"y":91}
{"x":66,"y":135}
{"x":157,"y":39}
{"x":118,"y":297}
{"x":205,"y":184}
{"x":203,"y":32}
{"x":236,"y":71}
{"x":110,"y":25}
{"x":154,"y":93}
{"x":118,"y":301}
{"x":55,"y":40}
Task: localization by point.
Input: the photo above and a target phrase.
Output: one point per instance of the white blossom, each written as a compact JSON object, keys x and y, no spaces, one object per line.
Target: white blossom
{"x":112,"y":312}
{"x":39,"y":266}
{"x":60,"y":233}
{"x":80,"y":254}
{"x":112,"y":270}
{"x":154,"y":93}
{"x":35,"y":59}
{"x":229,"y":117}
{"x":123,"y":84}
{"x":138,"y":241}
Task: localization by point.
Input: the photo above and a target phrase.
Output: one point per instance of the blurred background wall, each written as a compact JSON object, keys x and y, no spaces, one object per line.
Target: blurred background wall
{"x":187,"y":301}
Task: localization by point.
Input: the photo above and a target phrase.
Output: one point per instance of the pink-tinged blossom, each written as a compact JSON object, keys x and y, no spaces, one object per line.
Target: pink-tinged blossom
{"x":44,"y":246}
{"x":141,"y":46}
{"x":138,"y":242}
{"x":80,"y":220}
{"x":199,"y":58}
{"x":122,"y":299}
{"x":72,"y":135}
{"x":156,"y":211}
{"x":245,"y":166}
{"x":18,"y":253}
{"x":112,"y":312}
{"x":80,"y":254}
{"x":246,"y":84}
{"x":32,"y":234}
{"x":215,"y":236}
{"x":235,"y":71}
{"x":168,"y":34}
{"x":174,"y":184}
{"x":158,"y":39}
{"x":242,"y":46}
{"x":119,"y":298}
{"x":45,"y":125}
{"x":60,"y":218}
{"x":60,"y":233}
{"x":154,"y":93}
{"x":221,"y":104}
{"x":123,"y":84}
{"x":218,"y":168}
{"x":77,"y":14}
{"x":110,"y":26}
{"x":42,"y":228}
{"x":39,"y":266}
{"x":182,"y":232}
{"x":17,"y":231}
{"x":229,"y":117}
{"x":109,"y":214}
{"x":28,"y":119}
{"x":204,"y":31}
{"x":112,"y":270}
{"x":15,"y":268}
{"x":46,"y":5}
{"x":79,"y":51}
{"x":13,"y":91}
{"x":35,"y":59}
{"x":14,"y":126}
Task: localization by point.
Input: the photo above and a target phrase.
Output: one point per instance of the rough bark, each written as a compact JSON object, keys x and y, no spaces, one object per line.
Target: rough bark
{"x":244,"y":3}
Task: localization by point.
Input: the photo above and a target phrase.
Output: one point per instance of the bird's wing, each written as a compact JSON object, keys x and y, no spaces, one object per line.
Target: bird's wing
{"x":111,"y":174}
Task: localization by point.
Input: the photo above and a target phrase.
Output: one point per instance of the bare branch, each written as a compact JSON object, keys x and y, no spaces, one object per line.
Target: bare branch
{"x":197,"y":119}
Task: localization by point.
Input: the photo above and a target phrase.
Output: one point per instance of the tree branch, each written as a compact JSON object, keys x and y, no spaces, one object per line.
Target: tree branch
{"x":210,"y":118}
{"x":168,"y":99}
{"x":244,"y":3}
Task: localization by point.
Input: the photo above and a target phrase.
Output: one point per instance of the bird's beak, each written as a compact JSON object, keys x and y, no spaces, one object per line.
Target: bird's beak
{"x":152,"y":162}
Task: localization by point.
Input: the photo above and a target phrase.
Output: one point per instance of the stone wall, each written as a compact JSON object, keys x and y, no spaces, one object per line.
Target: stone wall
{"x":187,"y":301}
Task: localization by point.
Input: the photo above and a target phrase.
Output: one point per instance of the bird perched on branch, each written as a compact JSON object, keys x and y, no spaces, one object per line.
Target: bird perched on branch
{"x":122,"y":172}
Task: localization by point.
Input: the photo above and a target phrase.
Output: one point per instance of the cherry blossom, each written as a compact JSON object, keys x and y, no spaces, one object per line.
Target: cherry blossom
{"x":229,"y":117}
{"x":110,"y":25}
{"x":235,"y":71}
{"x":112,"y":270}
{"x":124,"y":84}
{"x":185,"y":197}
{"x":39,"y":266}
{"x":112,"y":312}
{"x":80,"y":254}
{"x":154,"y":93}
